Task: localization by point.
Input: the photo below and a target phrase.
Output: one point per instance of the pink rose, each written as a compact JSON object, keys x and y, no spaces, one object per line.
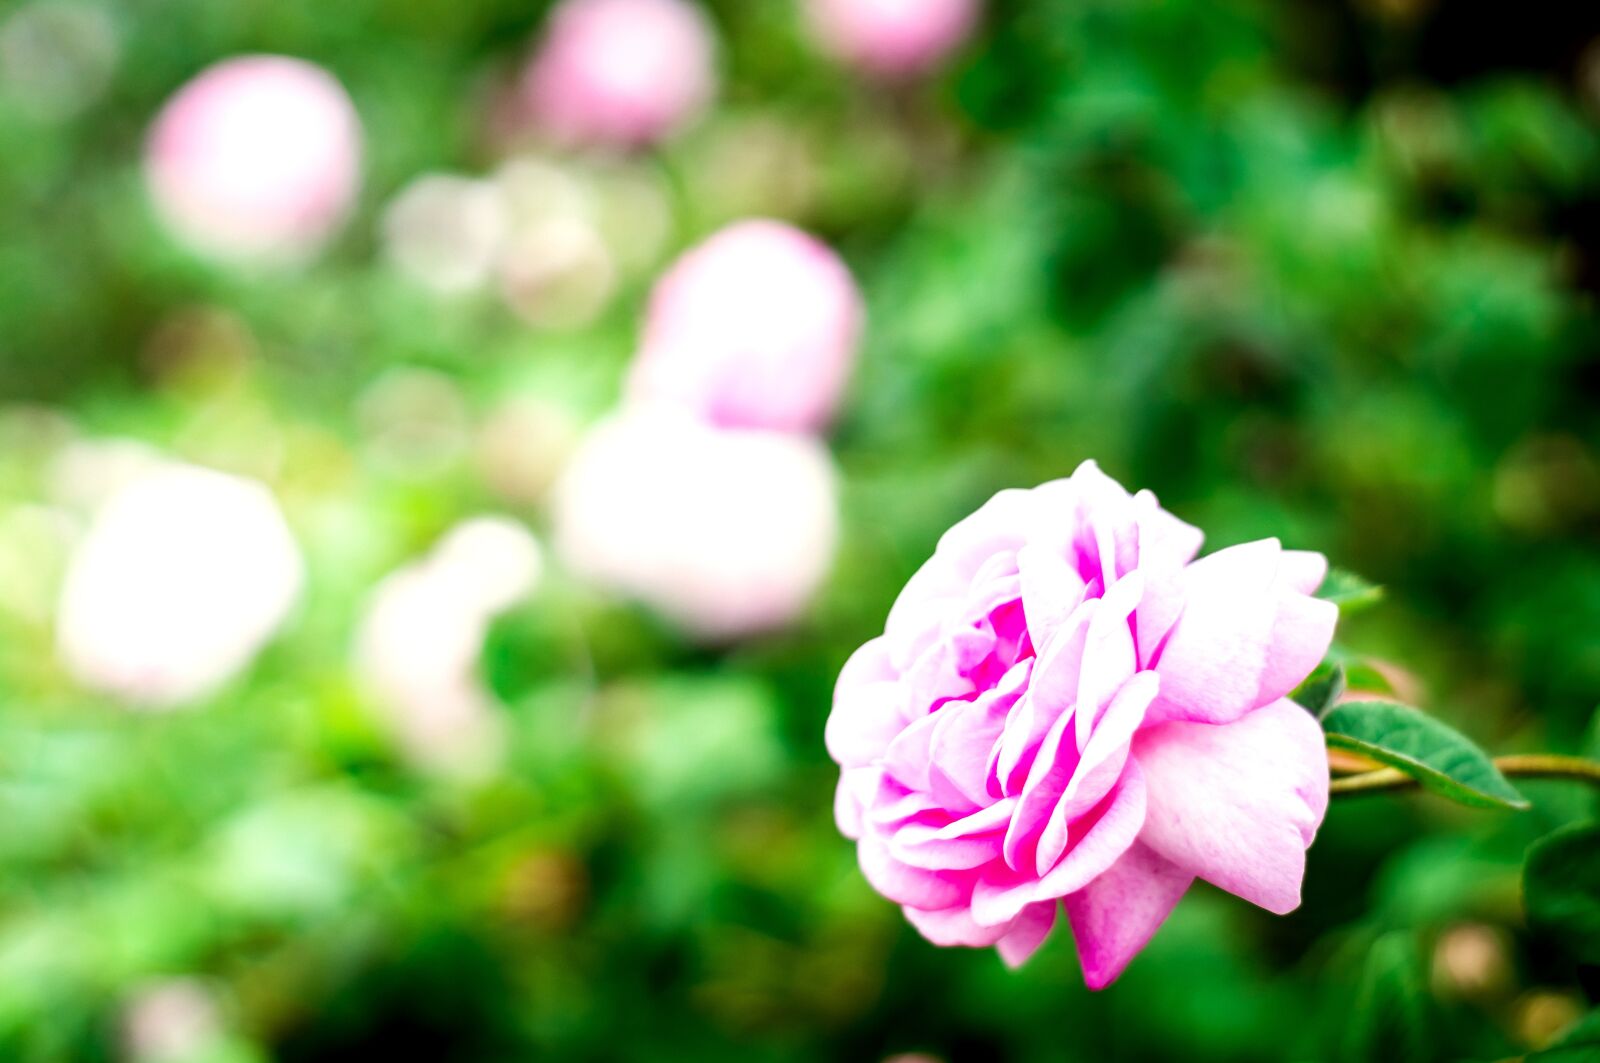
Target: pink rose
{"x":1065,"y":706}
{"x":757,"y":327}
{"x":621,"y":72}
{"x":892,"y":38}
{"x":258,"y":157}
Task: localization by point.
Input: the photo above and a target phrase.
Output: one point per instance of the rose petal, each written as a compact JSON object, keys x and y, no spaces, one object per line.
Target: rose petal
{"x":1051,"y":588}
{"x":1212,"y":663}
{"x":1000,"y":893}
{"x":1109,"y":659}
{"x":953,"y":926}
{"x":969,"y":842}
{"x":1117,"y":913}
{"x":964,"y":739}
{"x":904,"y":884}
{"x":856,"y":786}
{"x":867,"y":704}
{"x":1027,"y":933}
{"x":1301,"y":634}
{"x":1100,"y":766}
{"x":1238,"y":804}
{"x":1303,"y":570}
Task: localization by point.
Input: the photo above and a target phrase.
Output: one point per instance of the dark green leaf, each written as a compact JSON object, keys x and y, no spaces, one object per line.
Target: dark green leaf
{"x":1561,"y":887}
{"x":1349,"y":591}
{"x":1580,"y":1044}
{"x":1389,"y":1020}
{"x":1321,"y":689}
{"x":1441,"y":759}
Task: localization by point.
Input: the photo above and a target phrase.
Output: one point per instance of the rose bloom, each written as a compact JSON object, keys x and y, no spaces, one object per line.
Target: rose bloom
{"x":258,"y":157}
{"x":728,"y":532}
{"x":623,"y":73}
{"x":1064,"y":705}
{"x":892,"y":38}
{"x":757,"y":327}
{"x":184,"y":574}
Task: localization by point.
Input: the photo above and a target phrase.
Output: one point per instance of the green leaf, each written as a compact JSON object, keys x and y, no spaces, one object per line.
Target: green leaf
{"x":1321,"y":689}
{"x":1561,"y":887}
{"x":1580,"y":1044}
{"x":1441,"y":759}
{"x":1348,"y":591}
{"x":1389,"y":1020}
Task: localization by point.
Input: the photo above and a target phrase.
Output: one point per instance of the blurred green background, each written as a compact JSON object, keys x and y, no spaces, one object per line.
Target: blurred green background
{"x":1319,"y":270}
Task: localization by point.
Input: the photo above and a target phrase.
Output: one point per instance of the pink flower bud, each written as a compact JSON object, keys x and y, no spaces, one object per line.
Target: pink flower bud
{"x":757,"y":327}
{"x":892,"y":38}
{"x":728,"y":532}
{"x":1065,"y":708}
{"x":258,"y":157}
{"x":623,"y":73}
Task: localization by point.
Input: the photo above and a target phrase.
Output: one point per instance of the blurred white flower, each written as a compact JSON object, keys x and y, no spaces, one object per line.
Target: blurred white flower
{"x":446,"y":232}
{"x":184,"y":574}
{"x":728,"y":532}
{"x":423,"y":631}
{"x":57,"y":57}
{"x":757,"y":327}
{"x":257,"y":158}
{"x":170,"y":1020}
{"x":621,"y":73}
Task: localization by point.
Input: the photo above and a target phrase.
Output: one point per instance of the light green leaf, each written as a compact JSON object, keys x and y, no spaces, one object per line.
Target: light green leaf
{"x":1561,"y":888}
{"x":1321,"y":690}
{"x":1348,"y":591}
{"x":1441,"y":759}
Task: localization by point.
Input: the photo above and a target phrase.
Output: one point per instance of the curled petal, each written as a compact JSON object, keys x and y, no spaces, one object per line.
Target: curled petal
{"x":904,"y":884}
{"x":1000,"y":893}
{"x":969,"y":842}
{"x":1303,"y":570}
{"x":866,"y":708}
{"x":1099,"y":767}
{"x":1244,"y":639}
{"x":1238,"y":804}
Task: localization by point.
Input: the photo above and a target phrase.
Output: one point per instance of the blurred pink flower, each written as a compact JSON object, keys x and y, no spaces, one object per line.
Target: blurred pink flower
{"x":258,"y":157}
{"x":183,"y":576}
{"x":1065,"y":706}
{"x":757,"y":327}
{"x":892,"y":38}
{"x":728,"y":532}
{"x":623,"y":73}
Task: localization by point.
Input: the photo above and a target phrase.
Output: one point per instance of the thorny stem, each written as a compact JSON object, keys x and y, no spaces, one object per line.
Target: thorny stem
{"x":1526,"y":765}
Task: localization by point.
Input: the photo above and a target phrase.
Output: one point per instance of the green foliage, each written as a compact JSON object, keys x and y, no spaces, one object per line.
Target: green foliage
{"x":1578,"y":1045}
{"x":1440,"y":758}
{"x":1561,"y":887}
{"x":1348,"y":591}
{"x":1389,"y":1020}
